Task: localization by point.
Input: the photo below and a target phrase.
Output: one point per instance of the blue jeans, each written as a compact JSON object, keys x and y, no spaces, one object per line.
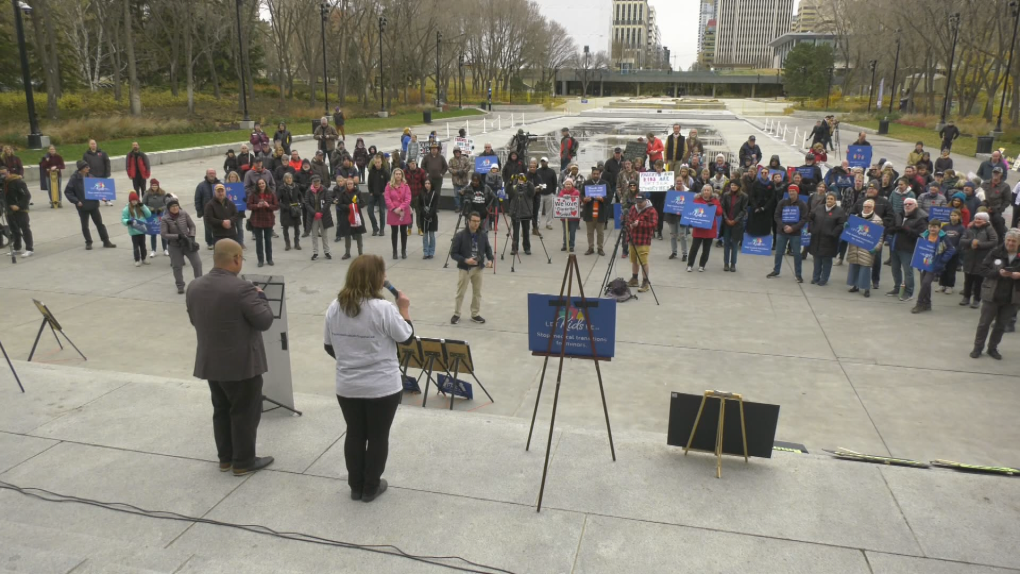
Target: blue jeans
{"x":859,"y":276}
{"x":428,"y":243}
{"x":264,"y":243}
{"x":152,"y":241}
{"x":823,"y":267}
{"x":456,"y":197}
{"x":782,"y":240}
{"x":731,"y":246}
{"x":569,"y":227}
{"x":902,"y":272}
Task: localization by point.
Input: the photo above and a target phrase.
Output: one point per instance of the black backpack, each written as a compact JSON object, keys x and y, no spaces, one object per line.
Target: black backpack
{"x":618,"y":289}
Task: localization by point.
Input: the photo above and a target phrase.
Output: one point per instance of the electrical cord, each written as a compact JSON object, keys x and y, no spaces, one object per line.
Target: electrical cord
{"x":387,"y":549}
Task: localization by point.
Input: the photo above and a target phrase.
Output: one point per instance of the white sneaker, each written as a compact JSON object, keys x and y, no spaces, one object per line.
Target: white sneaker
{"x":689,"y":269}
{"x":152,"y":254}
{"x":166,"y":252}
{"x":138,"y":263}
{"x":949,"y":290}
{"x":701,"y":269}
{"x":145,"y":261}
{"x":27,"y":253}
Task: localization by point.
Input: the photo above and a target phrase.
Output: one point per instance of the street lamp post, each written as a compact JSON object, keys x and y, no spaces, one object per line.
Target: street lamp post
{"x":324,"y":8}
{"x":954,"y":23}
{"x":460,"y":79}
{"x":828,"y":91}
{"x":439,"y":40}
{"x":35,"y":138}
{"x":1015,"y":7}
{"x":873,"y":65}
{"x":894,"y":94}
{"x":382,"y":81}
{"x":584,"y":84}
{"x":246,"y":124}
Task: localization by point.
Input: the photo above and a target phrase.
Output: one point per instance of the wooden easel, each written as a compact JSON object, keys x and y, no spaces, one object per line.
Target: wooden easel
{"x":723,"y":397}
{"x":566,"y":288}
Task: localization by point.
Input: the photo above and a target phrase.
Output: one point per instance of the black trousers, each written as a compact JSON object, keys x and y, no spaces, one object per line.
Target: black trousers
{"x":138,"y":183}
{"x":1000,"y":314}
{"x":698,"y":244}
{"x":519,"y":223}
{"x":972,"y":285}
{"x":97,"y":218}
{"x":368,"y":439}
{"x":138,"y":247}
{"x":237,"y":410}
{"x":400,"y":230}
{"x":19,"y":223}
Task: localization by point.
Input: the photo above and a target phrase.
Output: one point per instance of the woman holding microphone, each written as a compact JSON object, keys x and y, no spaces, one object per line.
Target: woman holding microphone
{"x":362,"y":332}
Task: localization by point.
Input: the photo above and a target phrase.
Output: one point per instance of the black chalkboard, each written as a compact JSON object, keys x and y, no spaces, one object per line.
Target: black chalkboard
{"x":761,"y":420}
{"x":635,"y":150}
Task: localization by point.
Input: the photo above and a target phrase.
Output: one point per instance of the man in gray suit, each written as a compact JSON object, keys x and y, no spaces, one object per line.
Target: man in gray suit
{"x":229,"y":315}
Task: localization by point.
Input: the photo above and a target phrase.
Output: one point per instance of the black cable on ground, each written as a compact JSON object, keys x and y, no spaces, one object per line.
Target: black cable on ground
{"x":387,"y":549}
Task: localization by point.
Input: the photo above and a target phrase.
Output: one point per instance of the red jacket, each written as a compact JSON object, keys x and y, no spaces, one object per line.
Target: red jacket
{"x":262,"y":217}
{"x":712,"y":233}
{"x":415,"y":180}
{"x":654,"y":149}
{"x":137,"y":165}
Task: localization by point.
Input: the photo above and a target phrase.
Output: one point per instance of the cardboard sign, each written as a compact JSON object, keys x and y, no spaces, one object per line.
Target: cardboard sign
{"x":100,"y":189}
{"x":595,"y":191}
{"x":940,"y":213}
{"x":465,"y":145}
{"x":700,"y":215}
{"x":425,"y":148}
{"x":756,"y":245}
{"x":859,"y":155}
{"x":567,"y":207}
{"x":549,"y":314}
{"x":924,"y":255}
{"x":652,"y":181}
{"x":236,"y":194}
{"x":676,"y":200}
{"x":862,"y":233}
{"x":791,"y":214}
{"x":484,"y":163}
{"x":635,"y":150}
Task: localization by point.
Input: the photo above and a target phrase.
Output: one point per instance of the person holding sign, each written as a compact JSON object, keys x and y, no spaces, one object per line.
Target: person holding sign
{"x":734,"y":213}
{"x":133,"y":217}
{"x":87,"y":208}
{"x":826,"y":223}
{"x":703,"y":236}
{"x":676,"y":229}
{"x":906,"y":231}
{"x":790,"y":216}
{"x":1000,"y":294}
{"x":594,"y":209}
{"x":570,"y":223}
{"x":862,"y":260}
{"x":943,"y":252}
{"x":641,"y":223}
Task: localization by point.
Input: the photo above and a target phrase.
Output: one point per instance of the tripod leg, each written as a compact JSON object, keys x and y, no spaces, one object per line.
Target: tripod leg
{"x":54,"y":331}
{"x":456,"y":228}
{"x":483,"y":388}
{"x":37,"y":335}
{"x":428,"y":381}
{"x":16,"y":379}
{"x":453,"y":382}
{"x":644,"y":270}
{"x":269,"y":400}
{"x":73,"y":345}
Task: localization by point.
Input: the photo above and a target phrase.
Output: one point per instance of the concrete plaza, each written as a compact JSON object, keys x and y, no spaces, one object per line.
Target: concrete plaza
{"x":131,"y":425}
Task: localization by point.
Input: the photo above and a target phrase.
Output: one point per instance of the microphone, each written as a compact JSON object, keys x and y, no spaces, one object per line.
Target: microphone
{"x":389,"y":287}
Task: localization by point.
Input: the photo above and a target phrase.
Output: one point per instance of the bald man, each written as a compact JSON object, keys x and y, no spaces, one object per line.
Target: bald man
{"x":229,"y":315}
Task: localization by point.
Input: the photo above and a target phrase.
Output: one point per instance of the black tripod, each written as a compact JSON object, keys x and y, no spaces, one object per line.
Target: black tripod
{"x":612,"y":260}
{"x":11,"y":365}
{"x":456,"y":228}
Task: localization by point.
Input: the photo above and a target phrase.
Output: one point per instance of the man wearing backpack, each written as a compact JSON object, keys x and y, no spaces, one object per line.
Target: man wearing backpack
{"x":568,"y":148}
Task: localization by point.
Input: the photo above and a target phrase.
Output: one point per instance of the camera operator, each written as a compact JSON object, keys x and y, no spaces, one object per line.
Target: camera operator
{"x":521,"y":194}
{"x":362,"y":331}
{"x":520,"y":142}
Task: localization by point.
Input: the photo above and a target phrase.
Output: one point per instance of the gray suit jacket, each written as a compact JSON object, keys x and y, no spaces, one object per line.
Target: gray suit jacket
{"x":229,"y":316}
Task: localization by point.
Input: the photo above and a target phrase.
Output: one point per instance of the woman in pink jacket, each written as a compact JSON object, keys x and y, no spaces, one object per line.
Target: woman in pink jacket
{"x":398,"y":210}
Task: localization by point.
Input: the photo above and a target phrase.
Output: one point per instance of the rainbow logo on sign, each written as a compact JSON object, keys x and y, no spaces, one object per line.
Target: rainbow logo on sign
{"x":758,"y":242}
{"x":698,"y":212}
{"x":99,"y":186}
{"x":927,"y":260}
{"x":573,"y":316}
{"x":862,"y":230}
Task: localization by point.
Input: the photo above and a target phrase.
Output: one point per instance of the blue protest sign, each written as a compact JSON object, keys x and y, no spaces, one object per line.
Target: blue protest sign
{"x":676,"y":200}
{"x":618,"y":215}
{"x":235,"y":193}
{"x":718,"y":226}
{"x":859,"y":155}
{"x":595,"y":191}
{"x":805,"y":236}
{"x":548,"y":314}
{"x":459,"y":389}
{"x":844,"y":181}
{"x":924,"y":254}
{"x":100,"y":189}
{"x":773,"y":172}
{"x":700,"y":215}
{"x":484,"y":163}
{"x":940,"y":213}
{"x":791,"y":214}
{"x":806,"y":172}
{"x":756,"y":245}
{"x":152,"y":225}
{"x":862,"y":233}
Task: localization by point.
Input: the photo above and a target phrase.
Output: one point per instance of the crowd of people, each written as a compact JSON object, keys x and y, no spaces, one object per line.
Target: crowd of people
{"x":803,"y":209}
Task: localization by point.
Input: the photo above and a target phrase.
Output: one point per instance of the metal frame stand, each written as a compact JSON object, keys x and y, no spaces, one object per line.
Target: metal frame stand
{"x":279,"y":406}
{"x":723,"y":397}
{"x":54,"y":331}
{"x":14,"y":372}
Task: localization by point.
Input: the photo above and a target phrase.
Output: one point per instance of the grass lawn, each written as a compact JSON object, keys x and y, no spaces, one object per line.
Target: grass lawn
{"x":73,"y":152}
{"x":965,"y":145}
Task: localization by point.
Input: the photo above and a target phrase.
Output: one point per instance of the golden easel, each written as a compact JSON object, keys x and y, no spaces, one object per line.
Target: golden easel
{"x":723,"y":397}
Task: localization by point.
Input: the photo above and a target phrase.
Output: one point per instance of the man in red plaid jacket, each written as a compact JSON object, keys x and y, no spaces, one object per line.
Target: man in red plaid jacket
{"x":415,"y":177}
{"x":642,"y":221}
